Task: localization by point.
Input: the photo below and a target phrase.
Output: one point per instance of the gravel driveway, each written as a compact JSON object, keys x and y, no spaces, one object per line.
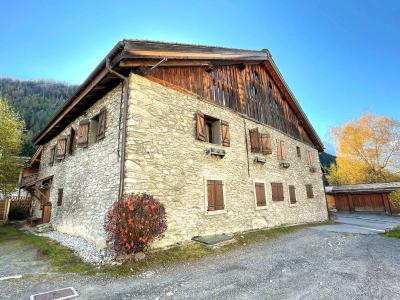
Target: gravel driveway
{"x":309,"y":264}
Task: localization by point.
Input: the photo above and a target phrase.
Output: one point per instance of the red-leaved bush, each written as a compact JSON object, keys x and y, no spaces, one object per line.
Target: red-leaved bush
{"x":133,"y":222}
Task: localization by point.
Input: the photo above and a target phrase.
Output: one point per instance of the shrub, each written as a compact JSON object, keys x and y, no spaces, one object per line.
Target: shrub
{"x":395,"y":198}
{"x":133,"y":222}
{"x":17,"y":214}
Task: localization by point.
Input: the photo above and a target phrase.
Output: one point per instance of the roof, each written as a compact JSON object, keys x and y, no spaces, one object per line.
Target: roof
{"x":129,"y":53}
{"x":363,"y":188}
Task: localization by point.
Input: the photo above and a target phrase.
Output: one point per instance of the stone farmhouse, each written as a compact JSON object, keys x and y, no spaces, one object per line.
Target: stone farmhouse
{"x":214,"y":133}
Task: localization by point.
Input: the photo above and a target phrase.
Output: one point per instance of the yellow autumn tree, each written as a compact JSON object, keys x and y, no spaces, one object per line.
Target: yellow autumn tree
{"x":368,"y":151}
{"x":11,"y":126}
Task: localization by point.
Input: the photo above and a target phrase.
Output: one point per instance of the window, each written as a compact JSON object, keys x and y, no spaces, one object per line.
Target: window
{"x":98,"y":126}
{"x":51,"y":155}
{"x":260,"y":142}
{"x":292,"y":194}
{"x":309,"y":158}
{"x":259,"y":188}
{"x":281,"y":150}
{"x":71,"y":141}
{"x":83,"y":133}
{"x":215,"y":195}
{"x":212,"y":130}
{"x":253,"y":89}
{"x":61,"y":146}
{"x":309,"y":190}
{"x":298,"y":151}
{"x":60,"y":197}
{"x":277,"y":191}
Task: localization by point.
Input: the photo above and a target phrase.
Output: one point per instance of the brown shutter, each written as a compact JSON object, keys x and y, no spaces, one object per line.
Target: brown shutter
{"x":52,"y":154}
{"x":281,"y":196}
{"x":226,"y":140}
{"x":283,"y":150}
{"x":278,"y":150}
{"x":71,"y":141}
{"x":101,"y":129}
{"x":277,"y":191}
{"x":254,"y":140}
{"x":309,"y":158}
{"x":60,"y":197}
{"x":211,"y":195}
{"x":266,"y":144}
{"x":83,"y":133}
{"x":200,"y":127}
{"x":292,"y":194}
{"x":310,"y":192}
{"x":219,"y":195}
{"x":260,"y":194}
{"x":61,"y":146}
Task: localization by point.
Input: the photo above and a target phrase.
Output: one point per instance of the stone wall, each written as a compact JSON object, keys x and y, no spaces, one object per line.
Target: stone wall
{"x":164,"y":159}
{"x":89,"y":177}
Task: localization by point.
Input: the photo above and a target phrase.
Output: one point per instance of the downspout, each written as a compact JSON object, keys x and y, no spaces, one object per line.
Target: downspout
{"x":125,"y":97}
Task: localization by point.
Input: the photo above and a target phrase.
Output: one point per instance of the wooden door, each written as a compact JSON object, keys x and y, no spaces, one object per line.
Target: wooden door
{"x":46,"y":213}
{"x":342,"y":203}
{"x":368,"y":202}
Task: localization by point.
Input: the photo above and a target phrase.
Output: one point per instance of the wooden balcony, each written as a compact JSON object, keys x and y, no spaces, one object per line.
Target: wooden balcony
{"x":26,"y":180}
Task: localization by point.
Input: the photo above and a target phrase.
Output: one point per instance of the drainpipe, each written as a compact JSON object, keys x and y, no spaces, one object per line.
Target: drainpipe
{"x":125,"y":96}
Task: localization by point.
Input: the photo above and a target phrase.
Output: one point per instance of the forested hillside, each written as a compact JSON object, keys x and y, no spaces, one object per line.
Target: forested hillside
{"x":36,"y":102}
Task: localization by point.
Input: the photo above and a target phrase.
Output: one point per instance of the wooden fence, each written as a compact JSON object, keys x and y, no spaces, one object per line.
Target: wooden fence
{"x":9,"y":203}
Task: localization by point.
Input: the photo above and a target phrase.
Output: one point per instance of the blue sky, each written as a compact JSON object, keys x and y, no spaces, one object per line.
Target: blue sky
{"x":340,"y":58}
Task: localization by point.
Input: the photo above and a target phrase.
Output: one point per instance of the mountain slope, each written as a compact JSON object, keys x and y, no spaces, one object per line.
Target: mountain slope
{"x":36,"y":102}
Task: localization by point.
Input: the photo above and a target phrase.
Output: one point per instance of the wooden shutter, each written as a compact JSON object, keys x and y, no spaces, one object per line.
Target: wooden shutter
{"x":254,"y":140}
{"x":200,"y":127}
{"x":60,"y":197}
{"x":219,"y":195}
{"x":281,"y":150}
{"x":277,"y":191}
{"x":292,"y":194}
{"x":101,"y":128}
{"x":215,"y":195}
{"x":71,"y":141}
{"x":211,"y":195}
{"x":51,"y":155}
{"x":260,"y":194}
{"x":266,"y":144}
{"x":309,"y":158}
{"x":61,"y":147}
{"x":83,"y":133}
{"x":309,"y":190}
{"x":226,"y":140}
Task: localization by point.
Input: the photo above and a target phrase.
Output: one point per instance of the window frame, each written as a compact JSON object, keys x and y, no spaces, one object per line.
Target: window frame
{"x":205,"y":184}
{"x":257,"y":207}
{"x":60,"y":196}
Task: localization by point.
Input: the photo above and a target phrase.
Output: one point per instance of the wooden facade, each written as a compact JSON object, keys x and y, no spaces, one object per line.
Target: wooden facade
{"x":248,"y":89}
{"x":246,"y":81}
{"x":362,"y":203}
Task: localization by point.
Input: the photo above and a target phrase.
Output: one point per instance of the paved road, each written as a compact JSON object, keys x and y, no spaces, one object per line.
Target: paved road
{"x":363,"y":223}
{"x":309,"y":264}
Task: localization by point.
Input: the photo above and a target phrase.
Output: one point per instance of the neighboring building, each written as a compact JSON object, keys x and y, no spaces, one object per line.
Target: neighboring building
{"x":214,"y":133}
{"x":372,"y":197}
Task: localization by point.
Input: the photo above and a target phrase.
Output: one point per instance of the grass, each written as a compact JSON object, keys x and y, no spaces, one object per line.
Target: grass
{"x":64,"y":260}
{"x":393,"y":233}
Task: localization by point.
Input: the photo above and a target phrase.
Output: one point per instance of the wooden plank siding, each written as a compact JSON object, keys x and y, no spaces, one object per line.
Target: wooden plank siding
{"x":248,"y":89}
{"x":367,"y":202}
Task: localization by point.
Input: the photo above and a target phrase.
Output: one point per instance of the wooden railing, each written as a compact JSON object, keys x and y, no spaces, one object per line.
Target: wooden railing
{"x":29,"y":179}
